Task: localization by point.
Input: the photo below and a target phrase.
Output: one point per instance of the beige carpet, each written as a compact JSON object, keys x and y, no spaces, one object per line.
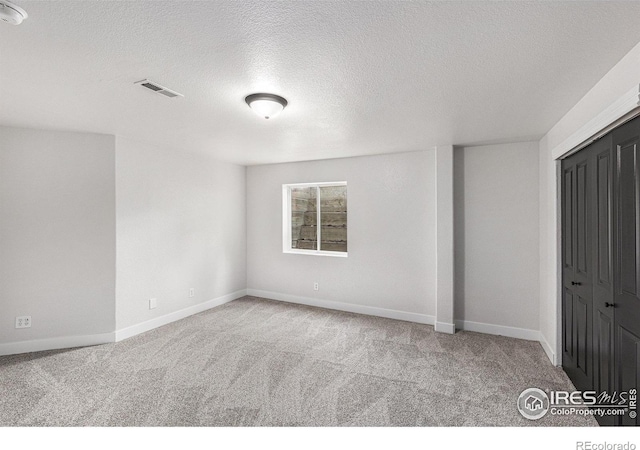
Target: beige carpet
{"x":255,"y":362}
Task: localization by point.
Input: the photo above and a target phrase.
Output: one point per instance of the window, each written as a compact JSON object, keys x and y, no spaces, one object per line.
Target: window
{"x":305,"y":206}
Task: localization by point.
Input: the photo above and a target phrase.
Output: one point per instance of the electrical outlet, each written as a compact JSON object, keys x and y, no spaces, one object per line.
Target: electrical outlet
{"x":23,"y":322}
{"x":192,"y":292}
{"x":315,"y":286}
{"x":153,"y":302}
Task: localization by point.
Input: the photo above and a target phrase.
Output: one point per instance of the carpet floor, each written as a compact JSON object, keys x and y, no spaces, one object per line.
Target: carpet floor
{"x":256,"y":362}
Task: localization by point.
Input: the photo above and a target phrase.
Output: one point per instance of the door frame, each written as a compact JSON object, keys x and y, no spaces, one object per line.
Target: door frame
{"x":559,"y":244}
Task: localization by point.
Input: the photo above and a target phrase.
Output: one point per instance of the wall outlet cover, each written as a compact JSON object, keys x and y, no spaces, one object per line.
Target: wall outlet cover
{"x":153,"y":302}
{"x":23,"y":322}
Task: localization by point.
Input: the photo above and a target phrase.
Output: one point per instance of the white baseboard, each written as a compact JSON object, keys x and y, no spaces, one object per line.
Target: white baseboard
{"x":519,"y":333}
{"x":443,"y":327}
{"x":136,"y":329}
{"x":547,"y":349}
{"x":348,"y":307}
{"x":500,"y":330}
{"x":38,"y":345}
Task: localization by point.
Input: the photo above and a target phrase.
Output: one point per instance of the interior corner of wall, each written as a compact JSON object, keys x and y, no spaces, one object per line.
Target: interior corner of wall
{"x":548,"y":349}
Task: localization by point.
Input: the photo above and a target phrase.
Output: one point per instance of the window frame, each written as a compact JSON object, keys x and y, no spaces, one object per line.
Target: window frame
{"x":286,"y":220}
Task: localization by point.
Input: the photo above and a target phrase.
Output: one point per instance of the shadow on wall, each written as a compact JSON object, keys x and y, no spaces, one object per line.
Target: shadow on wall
{"x":458,"y":233}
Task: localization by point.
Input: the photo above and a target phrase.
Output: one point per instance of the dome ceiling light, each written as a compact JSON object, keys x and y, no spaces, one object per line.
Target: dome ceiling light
{"x":266,"y":105}
{"x":11,"y":13}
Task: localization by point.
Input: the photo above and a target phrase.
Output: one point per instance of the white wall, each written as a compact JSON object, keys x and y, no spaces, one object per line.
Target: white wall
{"x":496,"y":235}
{"x":180,"y":225}
{"x":57,"y":234}
{"x":391,"y":234}
{"x":619,"y":80}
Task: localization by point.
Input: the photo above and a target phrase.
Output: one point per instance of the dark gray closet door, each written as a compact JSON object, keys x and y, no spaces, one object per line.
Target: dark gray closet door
{"x":577,"y":297}
{"x":626,"y":140}
{"x":601,"y":265}
{"x":601,"y":155}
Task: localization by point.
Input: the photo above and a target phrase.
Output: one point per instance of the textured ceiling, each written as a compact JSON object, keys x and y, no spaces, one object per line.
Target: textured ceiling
{"x":360,"y":77}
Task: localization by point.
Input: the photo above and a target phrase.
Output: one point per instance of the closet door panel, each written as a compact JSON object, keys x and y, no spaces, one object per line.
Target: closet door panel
{"x":603,"y":313}
{"x":583,"y":340}
{"x":603,"y":346}
{"x":603,"y":232}
{"x":627,"y":216}
{"x":627,"y":259}
{"x":627,"y":365}
{"x":568,"y":267}
{"x":578,"y":269}
{"x":567,"y":330}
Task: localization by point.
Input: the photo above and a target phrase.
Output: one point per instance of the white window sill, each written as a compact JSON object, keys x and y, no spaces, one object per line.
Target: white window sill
{"x":317,"y":253}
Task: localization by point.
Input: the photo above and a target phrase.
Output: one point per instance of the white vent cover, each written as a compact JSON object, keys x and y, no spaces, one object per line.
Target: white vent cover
{"x":158,"y":88}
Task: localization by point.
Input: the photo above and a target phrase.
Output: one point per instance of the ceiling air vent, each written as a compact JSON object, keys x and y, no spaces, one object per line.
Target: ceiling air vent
{"x":158,"y":88}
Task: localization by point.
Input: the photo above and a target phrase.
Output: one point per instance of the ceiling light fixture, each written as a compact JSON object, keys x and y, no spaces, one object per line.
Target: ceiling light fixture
{"x":266,"y":105}
{"x":11,"y":13}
